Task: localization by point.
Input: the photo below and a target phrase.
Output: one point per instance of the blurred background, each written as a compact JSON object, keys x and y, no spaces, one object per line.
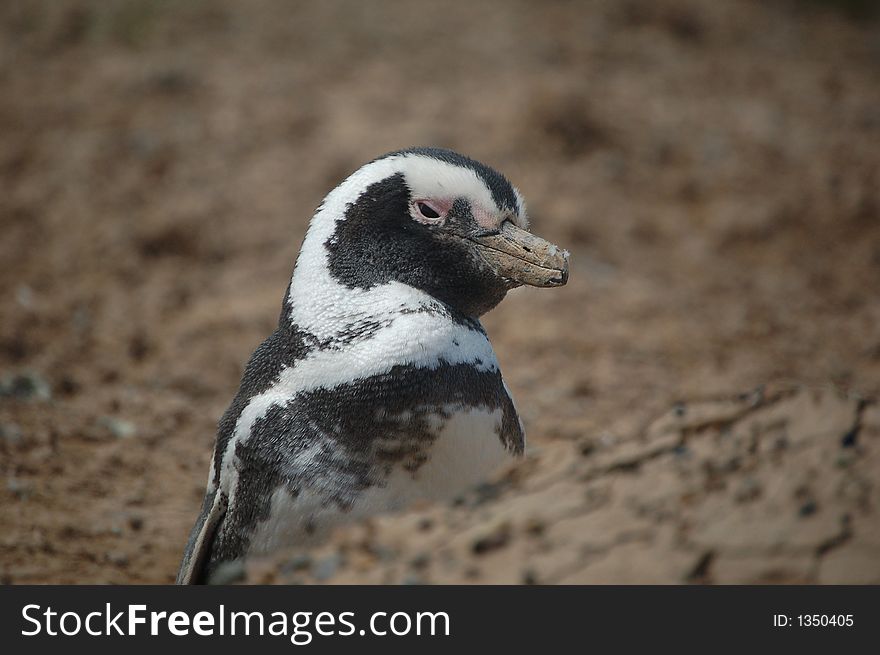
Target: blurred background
{"x":697,"y":399}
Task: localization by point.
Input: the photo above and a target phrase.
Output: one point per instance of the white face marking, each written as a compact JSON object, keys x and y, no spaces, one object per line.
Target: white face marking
{"x":431,"y":178}
{"x":523,"y":218}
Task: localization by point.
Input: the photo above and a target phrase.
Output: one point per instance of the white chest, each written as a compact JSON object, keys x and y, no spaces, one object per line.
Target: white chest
{"x":466,"y":452}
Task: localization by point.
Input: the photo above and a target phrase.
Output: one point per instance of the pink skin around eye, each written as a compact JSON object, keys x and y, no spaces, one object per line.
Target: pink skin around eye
{"x":439,"y":205}
{"x":484,"y":218}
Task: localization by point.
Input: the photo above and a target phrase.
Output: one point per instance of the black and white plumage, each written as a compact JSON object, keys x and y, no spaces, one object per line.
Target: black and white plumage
{"x":379,"y":386}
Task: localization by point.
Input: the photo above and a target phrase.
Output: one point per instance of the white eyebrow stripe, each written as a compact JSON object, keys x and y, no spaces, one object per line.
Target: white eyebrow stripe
{"x":427,"y":177}
{"x":522,"y":217}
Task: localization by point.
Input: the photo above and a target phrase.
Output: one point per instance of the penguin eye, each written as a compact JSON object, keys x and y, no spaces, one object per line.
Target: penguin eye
{"x":427,"y":211}
{"x":430,"y":212}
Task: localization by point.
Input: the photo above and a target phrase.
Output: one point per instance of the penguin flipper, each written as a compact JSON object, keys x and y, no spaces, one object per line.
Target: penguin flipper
{"x":192,"y":568}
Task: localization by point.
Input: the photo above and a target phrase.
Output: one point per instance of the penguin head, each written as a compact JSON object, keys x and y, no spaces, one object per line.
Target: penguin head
{"x":436,"y":221}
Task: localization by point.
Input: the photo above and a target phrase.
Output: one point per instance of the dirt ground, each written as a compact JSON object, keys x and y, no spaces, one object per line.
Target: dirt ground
{"x":699,"y":400}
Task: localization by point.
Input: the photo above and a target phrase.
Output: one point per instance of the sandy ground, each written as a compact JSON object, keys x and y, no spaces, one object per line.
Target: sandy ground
{"x":698,"y":399}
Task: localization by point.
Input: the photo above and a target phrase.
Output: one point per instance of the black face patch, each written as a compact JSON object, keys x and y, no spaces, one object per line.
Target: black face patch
{"x":498,"y":185}
{"x":338,"y":442}
{"x":378,"y":242}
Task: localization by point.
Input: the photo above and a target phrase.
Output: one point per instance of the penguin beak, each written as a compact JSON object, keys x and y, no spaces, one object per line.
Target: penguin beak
{"x":522,"y":257}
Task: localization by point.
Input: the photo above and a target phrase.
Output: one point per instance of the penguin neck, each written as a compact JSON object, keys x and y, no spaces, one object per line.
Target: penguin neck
{"x":328,"y":311}
{"x":352,"y":333}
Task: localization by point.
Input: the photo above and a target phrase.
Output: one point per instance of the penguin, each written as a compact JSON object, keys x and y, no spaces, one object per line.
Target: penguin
{"x":380,"y":386}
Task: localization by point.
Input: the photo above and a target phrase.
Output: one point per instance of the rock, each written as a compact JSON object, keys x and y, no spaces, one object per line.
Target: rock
{"x":326,"y":568}
{"x":117,"y":558}
{"x":700,"y":573}
{"x":808,"y":508}
{"x":420,"y":561}
{"x":19,"y":488}
{"x":848,"y":440}
{"x":749,"y":489}
{"x":25,"y":386}
{"x":495,"y":539}
{"x":298,"y":562}
{"x":119,"y":428}
{"x":24,"y":295}
{"x":10,"y":434}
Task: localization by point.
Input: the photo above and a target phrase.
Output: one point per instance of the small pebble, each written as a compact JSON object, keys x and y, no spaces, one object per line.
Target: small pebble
{"x":587,"y":447}
{"x":119,"y":428}
{"x":494,"y":540}
{"x":298,"y":562}
{"x":11,"y":434}
{"x":749,"y":489}
{"x":18,"y":488}
{"x":420,"y":561}
{"x":25,"y":386}
{"x":383,"y":552}
{"x":733,"y":464}
{"x":535,"y":527}
{"x":327,"y":567}
{"x":117,"y":558}
{"x":24,"y":295}
{"x":808,"y":508}
{"x":851,"y":437}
